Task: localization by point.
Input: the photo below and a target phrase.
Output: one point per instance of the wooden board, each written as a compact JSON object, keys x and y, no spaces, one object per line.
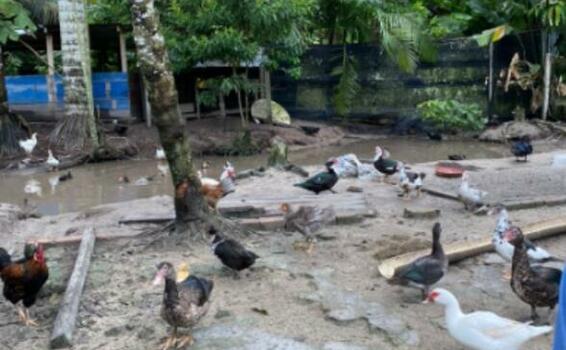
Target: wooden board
{"x":461,"y":250}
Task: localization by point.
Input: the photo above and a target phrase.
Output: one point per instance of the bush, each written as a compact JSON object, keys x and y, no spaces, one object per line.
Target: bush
{"x":452,"y":116}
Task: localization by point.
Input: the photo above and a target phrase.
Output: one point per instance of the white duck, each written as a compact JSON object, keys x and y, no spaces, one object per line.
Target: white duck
{"x":29,"y":144}
{"x":33,"y":187}
{"x":160,"y":153}
{"x":482,"y":330}
{"x":51,"y":160}
{"x":506,"y":249}
{"x":471,"y":197}
{"x":409,"y":181}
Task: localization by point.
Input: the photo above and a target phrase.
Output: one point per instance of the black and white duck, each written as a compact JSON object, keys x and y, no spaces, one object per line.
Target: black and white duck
{"x":186,"y":300}
{"x":410,"y":181}
{"x":384,"y":165}
{"x":323,"y":181}
{"x":425,"y":271}
{"x":537,"y":286}
{"x":231,"y":253}
{"x":521,"y":148}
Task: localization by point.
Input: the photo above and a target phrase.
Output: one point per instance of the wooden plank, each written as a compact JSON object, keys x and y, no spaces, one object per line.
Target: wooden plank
{"x":62,"y":336}
{"x":461,"y":250}
{"x":442,"y":194}
{"x":68,"y":240}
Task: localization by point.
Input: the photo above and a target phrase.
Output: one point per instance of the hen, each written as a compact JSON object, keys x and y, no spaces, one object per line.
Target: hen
{"x":213,"y":190}
{"x":24,"y":278}
{"x":307,"y":220}
{"x":185,"y":302}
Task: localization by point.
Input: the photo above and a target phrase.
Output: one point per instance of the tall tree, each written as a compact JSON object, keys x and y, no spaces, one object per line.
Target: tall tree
{"x":78,"y":129}
{"x":13,"y":19}
{"x":191,"y":210}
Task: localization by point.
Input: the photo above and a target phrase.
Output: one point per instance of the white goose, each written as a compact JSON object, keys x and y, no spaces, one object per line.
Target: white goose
{"x":51,"y":160}
{"x":482,"y":330}
{"x":506,"y":249}
{"x":471,"y":197}
{"x":29,"y":144}
{"x":160,"y":153}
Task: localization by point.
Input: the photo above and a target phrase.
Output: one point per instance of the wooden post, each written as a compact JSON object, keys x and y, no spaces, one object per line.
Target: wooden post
{"x":123,"y":52}
{"x":51,"y":92}
{"x":547,"y":79}
{"x":268,"y":96}
{"x":146,"y":107}
{"x":65,"y":322}
{"x":491,"y":83}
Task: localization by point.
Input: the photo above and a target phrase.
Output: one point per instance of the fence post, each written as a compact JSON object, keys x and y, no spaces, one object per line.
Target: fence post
{"x":547,"y":78}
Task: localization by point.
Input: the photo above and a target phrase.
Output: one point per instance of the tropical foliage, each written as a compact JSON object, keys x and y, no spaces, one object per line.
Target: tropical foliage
{"x":452,"y":116}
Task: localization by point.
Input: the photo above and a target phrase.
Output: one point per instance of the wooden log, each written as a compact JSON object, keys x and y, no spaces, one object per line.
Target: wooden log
{"x":461,"y":250}
{"x":74,"y":239}
{"x":442,"y":194}
{"x":62,"y":336}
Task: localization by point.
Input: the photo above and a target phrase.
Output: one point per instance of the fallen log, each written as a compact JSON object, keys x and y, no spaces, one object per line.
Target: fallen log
{"x":462,"y":250}
{"x":62,"y":336}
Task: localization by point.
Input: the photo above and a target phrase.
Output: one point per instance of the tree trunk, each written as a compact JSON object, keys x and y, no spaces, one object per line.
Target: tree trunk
{"x":191,"y":209}
{"x":239,"y":95}
{"x":79,"y":123}
{"x":11,"y":126}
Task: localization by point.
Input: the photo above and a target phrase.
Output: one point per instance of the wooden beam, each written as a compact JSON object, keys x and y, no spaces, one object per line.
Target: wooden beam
{"x":62,"y":336}
{"x":465,"y":249}
{"x":51,"y":91}
{"x":123,"y":51}
{"x":69,"y":240}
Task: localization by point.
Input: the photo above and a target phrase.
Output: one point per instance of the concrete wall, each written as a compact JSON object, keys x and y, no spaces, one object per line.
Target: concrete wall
{"x":459,"y":73}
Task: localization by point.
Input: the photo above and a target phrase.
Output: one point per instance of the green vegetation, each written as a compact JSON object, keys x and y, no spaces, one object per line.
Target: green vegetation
{"x":452,"y":116}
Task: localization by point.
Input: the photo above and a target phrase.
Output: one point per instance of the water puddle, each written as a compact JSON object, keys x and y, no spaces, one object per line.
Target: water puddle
{"x":96,"y":184}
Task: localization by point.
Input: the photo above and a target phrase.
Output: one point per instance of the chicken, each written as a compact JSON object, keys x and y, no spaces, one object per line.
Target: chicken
{"x":29,"y":144}
{"x":522,"y":147}
{"x":323,"y":181}
{"x":471,"y":197}
{"x":185,"y":302}
{"x":537,"y":286}
{"x":213,"y":190}
{"x":231,"y":252}
{"x":24,"y":278}
{"x":409,"y":181}
{"x":307,"y":220}
{"x":482,"y":330}
{"x":426,"y":270}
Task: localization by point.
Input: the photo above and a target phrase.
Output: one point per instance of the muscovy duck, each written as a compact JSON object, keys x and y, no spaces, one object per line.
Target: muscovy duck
{"x":185,"y":302}
{"x":471,"y":197}
{"x":307,"y":220}
{"x":410,"y":181}
{"x":51,"y":160}
{"x":385,"y":166}
{"x":537,"y":286}
{"x":426,"y":270}
{"x":521,"y":148}
{"x":323,"y":181}
{"x":505,"y":249}
{"x":483,"y":330}
{"x":231,"y":253}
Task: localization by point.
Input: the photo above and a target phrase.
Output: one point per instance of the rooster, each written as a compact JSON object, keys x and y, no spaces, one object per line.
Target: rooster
{"x":24,"y":278}
{"x":213,"y":190}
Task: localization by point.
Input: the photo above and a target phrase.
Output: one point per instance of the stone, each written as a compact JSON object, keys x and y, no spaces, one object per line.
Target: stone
{"x":344,"y":307}
{"x":421,"y":213}
{"x":514,"y":129}
{"x":114,"y":331}
{"x":493,"y":259}
{"x":355,"y":189}
{"x":278,"y":152}
{"x":222,"y":314}
{"x":279,"y":114}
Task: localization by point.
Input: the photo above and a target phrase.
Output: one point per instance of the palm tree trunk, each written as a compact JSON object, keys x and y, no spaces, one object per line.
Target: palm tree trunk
{"x":190,"y":205}
{"x":78,"y":126}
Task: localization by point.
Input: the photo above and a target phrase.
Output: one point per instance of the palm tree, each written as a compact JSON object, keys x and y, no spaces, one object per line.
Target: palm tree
{"x":78,"y":125}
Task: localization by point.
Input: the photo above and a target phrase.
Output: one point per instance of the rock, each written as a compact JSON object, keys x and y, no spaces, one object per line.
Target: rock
{"x":278,"y":113}
{"x":146,"y":333}
{"x":493,"y":259}
{"x":355,"y":189}
{"x":421,"y":213}
{"x":114,"y":331}
{"x":344,"y":307}
{"x":222,"y":314}
{"x":513,"y":129}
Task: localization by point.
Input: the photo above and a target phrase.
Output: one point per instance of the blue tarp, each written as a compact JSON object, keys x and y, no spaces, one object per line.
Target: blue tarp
{"x":110,"y":90}
{"x":560,"y":326}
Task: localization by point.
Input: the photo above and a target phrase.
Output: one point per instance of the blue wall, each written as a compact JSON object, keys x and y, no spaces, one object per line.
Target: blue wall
{"x":110,"y":90}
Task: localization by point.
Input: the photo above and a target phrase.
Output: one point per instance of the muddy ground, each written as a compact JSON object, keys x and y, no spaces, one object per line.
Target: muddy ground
{"x":333,"y":299}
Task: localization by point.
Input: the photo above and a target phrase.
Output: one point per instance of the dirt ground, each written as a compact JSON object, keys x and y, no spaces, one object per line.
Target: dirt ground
{"x":333,"y":299}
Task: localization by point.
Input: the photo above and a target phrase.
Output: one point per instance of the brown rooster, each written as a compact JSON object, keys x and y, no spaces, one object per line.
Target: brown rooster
{"x":213,"y":190}
{"x":24,"y":278}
